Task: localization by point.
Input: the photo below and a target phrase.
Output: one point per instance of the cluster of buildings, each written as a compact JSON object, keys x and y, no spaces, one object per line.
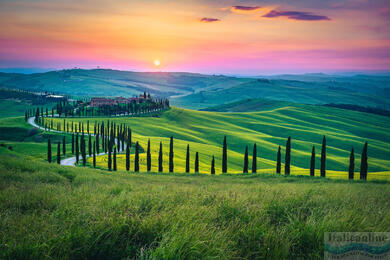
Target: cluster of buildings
{"x":99,"y":101}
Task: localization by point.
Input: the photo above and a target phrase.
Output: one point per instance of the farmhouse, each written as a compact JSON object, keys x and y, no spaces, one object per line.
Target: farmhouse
{"x":97,"y":102}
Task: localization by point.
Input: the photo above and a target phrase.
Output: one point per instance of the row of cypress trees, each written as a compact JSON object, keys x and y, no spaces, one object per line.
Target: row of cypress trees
{"x":122,"y":134}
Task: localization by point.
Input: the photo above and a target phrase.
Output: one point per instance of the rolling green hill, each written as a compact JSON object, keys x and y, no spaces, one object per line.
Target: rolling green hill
{"x":306,"y":124}
{"x":291,"y":91}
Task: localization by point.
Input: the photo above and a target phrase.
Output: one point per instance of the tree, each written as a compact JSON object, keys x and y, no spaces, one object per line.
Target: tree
{"x":59,"y":153}
{"x":246,"y":163}
{"x":160,"y":159}
{"x":83,"y":151}
{"x":171,"y":155}
{"x":49,"y":150}
{"x":197,"y":162}
{"x":254,"y":159}
{"x":278,"y":161}
{"x":363,"y":164}
{"x":127,"y":157}
{"x":148,"y":158}
{"x":213,"y":165}
{"x":323,"y":157}
{"x":351,"y":170}
{"x":94,"y":155}
{"x":109,"y":159}
{"x":77,"y":148}
{"x":63,"y":145}
{"x":136,"y":158}
{"x":188,"y":159}
{"x":89,"y":145}
{"x":72,"y":143}
{"x":224,"y":156}
{"x":312,"y":161}
{"x":114,"y":159}
{"x":288,"y":157}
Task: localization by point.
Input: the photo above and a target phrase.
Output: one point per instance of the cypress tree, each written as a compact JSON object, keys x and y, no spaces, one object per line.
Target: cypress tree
{"x":72,"y":143}
{"x":114,"y":160}
{"x":59,"y":153}
{"x":127,"y":157}
{"x":49,"y":150}
{"x":323,"y":157}
{"x":288,"y":157}
{"x":83,"y":152}
{"x":63,"y":145}
{"x":89,"y":145}
{"x":363,"y":164}
{"x":160,"y":159}
{"x":171,"y":155}
{"x":97,"y":143}
{"x":312,"y":161}
{"x":224,"y":155}
{"x":188,"y":159}
{"x":254,"y":159}
{"x":94,"y":155}
{"x":197,"y":162}
{"x":109,"y":159}
{"x":77,"y":148}
{"x":278,"y":161}
{"x":136,"y":157}
{"x":351,"y":170}
{"x":246,"y":163}
{"x":148,"y":158}
{"x":213,"y":166}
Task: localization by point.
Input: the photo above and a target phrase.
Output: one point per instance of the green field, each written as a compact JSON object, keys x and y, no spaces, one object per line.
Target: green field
{"x":204,"y":132}
{"x":48,"y":211}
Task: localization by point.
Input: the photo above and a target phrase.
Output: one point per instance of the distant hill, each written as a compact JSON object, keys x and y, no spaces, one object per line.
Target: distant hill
{"x":360,"y":90}
{"x":198,"y":91}
{"x":248,"y":105}
{"x":105,"y":82}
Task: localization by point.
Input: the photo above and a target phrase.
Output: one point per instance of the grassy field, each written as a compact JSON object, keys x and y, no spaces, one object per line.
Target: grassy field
{"x":48,"y":211}
{"x":306,"y":124}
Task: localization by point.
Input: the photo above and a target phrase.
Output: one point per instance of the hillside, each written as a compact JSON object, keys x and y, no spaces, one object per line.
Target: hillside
{"x":105,"y":82}
{"x":204,"y":132}
{"x":198,"y":91}
{"x":83,"y":213}
{"x":306,"y":92}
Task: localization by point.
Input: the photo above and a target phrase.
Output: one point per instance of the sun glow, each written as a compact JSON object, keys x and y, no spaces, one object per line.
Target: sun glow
{"x":156,"y":63}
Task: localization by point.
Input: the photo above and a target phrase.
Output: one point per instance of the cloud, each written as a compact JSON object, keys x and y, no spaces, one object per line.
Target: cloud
{"x":209,"y":20}
{"x":295,"y":15}
{"x":245,"y":8}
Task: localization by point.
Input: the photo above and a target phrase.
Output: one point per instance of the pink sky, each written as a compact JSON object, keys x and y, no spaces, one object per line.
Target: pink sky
{"x":233,"y":37}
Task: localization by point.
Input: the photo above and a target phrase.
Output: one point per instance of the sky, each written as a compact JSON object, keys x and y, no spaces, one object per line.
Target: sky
{"x":213,"y":37}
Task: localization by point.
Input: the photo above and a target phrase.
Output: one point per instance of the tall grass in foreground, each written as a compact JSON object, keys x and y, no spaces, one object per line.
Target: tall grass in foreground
{"x":48,"y":211}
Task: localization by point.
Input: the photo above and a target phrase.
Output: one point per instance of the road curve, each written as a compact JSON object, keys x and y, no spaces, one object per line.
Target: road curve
{"x":71,"y":161}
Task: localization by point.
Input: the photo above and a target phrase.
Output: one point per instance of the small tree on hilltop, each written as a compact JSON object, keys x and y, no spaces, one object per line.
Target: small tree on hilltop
{"x":278,"y":161}
{"x":312,"y":161}
{"x":364,"y":165}
{"x":224,"y":156}
{"x":323,"y":157}
{"x":148,"y":158}
{"x":171,"y":155}
{"x":196,"y":162}
{"x":160,"y":159}
{"x":246,"y":163}
{"x":59,"y":153}
{"x":127,"y":157}
{"x":213,"y":166}
{"x":288,"y":157}
{"x":254,"y":159}
{"x":49,"y":150}
{"x":188,"y":159}
{"x":351,"y":170}
{"x":136,"y":158}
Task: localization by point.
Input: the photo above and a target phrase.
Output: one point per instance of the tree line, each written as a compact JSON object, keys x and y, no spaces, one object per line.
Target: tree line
{"x":113,"y":139}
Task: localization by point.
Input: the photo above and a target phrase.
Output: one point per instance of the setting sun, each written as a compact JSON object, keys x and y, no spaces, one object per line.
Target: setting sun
{"x":156,"y":63}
